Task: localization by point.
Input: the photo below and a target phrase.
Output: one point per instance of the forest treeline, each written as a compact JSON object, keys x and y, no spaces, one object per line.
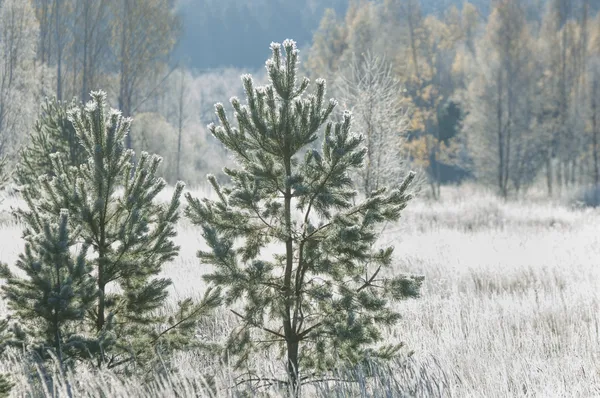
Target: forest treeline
{"x":510,"y":99}
{"x":67,"y":48}
{"x":502,"y":92}
{"x":232,"y":33}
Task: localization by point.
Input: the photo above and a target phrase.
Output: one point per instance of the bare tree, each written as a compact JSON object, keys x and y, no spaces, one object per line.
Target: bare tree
{"x":368,"y":88}
{"x":18,"y":87}
{"x":409,"y":13}
{"x":498,"y":96}
{"x":43,"y":11}
{"x":594,"y":95}
{"x":93,"y":39}
{"x":144,"y":32}
{"x":182,"y":112}
{"x":152,"y":133}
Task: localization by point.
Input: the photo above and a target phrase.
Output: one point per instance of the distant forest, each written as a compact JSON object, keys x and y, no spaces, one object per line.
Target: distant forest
{"x":232,"y":33}
{"x":505,"y":93}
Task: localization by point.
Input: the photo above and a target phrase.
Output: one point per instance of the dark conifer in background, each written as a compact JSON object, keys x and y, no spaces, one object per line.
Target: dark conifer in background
{"x":325,"y":294}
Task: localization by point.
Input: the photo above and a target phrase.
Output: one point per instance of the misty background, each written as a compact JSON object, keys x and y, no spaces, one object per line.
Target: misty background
{"x":500,"y":93}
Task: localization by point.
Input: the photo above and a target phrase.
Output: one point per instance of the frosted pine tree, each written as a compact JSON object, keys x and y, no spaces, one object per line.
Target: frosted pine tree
{"x":128,"y":234}
{"x":324,"y":295}
{"x":56,"y":290}
{"x":53,"y":132}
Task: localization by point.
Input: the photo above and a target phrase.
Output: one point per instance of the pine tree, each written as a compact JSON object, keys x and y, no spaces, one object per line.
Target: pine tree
{"x":128,"y":236}
{"x":52,"y":133}
{"x":51,"y":301}
{"x":326,"y":293}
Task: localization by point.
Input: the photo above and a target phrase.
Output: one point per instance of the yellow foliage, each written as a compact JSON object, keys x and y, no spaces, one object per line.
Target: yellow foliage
{"x":418,"y":151}
{"x":460,"y":63}
{"x":417,"y":120}
{"x":449,"y":153}
{"x":329,"y":43}
{"x":594,"y":42}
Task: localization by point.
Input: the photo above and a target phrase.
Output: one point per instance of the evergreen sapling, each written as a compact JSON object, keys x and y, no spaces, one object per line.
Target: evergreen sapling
{"x":128,"y":235}
{"x":51,"y":300}
{"x":324,"y":296}
{"x":53,"y":132}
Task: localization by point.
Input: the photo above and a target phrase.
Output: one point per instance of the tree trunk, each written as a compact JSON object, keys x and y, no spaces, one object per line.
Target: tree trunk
{"x":124,"y":89}
{"x":292,"y":368}
{"x":369,"y":161}
{"x":58,"y":50}
{"x":500,"y":136}
{"x":436,"y":163}
{"x":595,"y":132}
{"x":180,"y":123}
{"x":559,"y":176}
{"x":432,"y":185}
{"x":84,"y":76}
{"x":101,"y":320}
{"x":549,"y":174}
{"x":44,"y":39}
{"x":291,"y":336}
{"x":594,"y":106}
{"x":411,"y":33}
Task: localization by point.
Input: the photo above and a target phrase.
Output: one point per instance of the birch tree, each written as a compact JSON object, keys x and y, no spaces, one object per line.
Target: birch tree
{"x":497,"y":98}
{"x":18,"y":89}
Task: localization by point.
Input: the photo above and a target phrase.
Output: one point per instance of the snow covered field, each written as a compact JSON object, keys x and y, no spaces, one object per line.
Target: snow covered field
{"x":510,"y":307}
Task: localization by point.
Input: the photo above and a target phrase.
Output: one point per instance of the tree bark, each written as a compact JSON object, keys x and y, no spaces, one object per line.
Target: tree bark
{"x":594,"y":106}
{"x":180,"y":122}
{"x":291,"y":336}
{"x":59,"y":49}
{"x":292,"y":369}
{"x":500,"y":135}
{"x":549,"y":174}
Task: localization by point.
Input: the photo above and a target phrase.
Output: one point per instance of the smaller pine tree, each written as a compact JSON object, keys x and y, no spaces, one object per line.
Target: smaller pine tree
{"x":51,"y":299}
{"x":326,"y":293}
{"x":52,"y":133}
{"x":128,"y":237}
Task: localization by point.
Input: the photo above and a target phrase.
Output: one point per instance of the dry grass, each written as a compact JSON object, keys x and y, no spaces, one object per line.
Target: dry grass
{"x":510,"y":306}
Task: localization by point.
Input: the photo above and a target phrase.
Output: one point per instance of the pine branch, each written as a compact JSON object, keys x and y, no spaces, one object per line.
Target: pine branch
{"x":369,"y":282}
{"x":354,"y":211}
{"x":256,"y":211}
{"x":208,"y":303}
{"x":257,"y":325}
{"x":305,"y":332}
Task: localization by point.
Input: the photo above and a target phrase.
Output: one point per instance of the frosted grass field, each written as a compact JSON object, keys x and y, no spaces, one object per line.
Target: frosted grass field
{"x":510,"y":306}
